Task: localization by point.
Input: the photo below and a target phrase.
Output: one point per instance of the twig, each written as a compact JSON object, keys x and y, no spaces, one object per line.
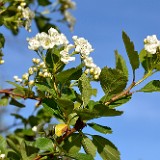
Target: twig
{"x":12,"y":94}
{"x":122,"y":94}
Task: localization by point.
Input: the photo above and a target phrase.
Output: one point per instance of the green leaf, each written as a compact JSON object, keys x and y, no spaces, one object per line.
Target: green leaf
{"x":13,"y":155}
{"x":2,"y":40}
{"x":70,"y":74}
{"x":105,"y":148}
{"x":3,"y":145}
{"x":132,"y":54}
{"x":72,"y":144}
{"x":85,"y":89}
{"x":88,"y":146}
{"x":149,"y":61}
{"x":99,"y":110}
{"x":113,"y":81}
{"x":4,"y":101}
{"x":65,"y":105}
{"x":19,"y":89}
{"x":18,"y":116}
{"x":44,"y":144}
{"x":51,"y":107}
{"x":16,"y":103}
{"x":44,"y":3}
{"x":100,"y":128}
{"x":80,"y":156}
{"x":153,"y":86}
{"x":121,"y":64}
{"x":45,"y":88}
{"x":53,"y":61}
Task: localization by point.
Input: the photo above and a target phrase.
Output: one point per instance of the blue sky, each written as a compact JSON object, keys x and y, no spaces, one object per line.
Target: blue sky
{"x":137,"y":132}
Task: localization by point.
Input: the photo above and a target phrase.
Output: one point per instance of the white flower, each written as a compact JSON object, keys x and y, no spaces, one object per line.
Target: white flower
{"x":33,"y":43}
{"x":2,"y":156}
{"x":36,"y":60}
{"x":27,"y":13}
{"x":35,"y":129}
{"x":30,"y":70}
{"x":57,"y":38}
{"x":82,"y":46}
{"x":31,"y":82}
{"x":88,"y":61}
{"x":66,"y":59}
{"x":25,"y":76}
{"x":151,"y":43}
{"x":17,"y":79}
{"x":44,"y":40}
{"x":1,"y":61}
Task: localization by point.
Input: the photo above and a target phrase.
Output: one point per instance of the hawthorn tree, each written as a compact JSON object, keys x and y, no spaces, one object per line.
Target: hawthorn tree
{"x":65,"y":94}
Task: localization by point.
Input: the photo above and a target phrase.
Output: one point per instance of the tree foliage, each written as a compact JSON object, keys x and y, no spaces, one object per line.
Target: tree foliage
{"x":63,"y":93}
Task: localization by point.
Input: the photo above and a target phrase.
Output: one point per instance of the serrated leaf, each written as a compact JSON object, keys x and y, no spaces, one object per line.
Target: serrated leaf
{"x":113,"y":81}
{"x":100,"y":128}
{"x":45,"y":88}
{"x":51,"y":107}
{"x":72,"y":144}
{"x":44,"y":144}
{"x":85,"y":89}
{"x":70,"y":74}
{"x":132,"y":54}
{"x":80,"y":156}
{"x":2,"y":40}
{"x":16,"y":103}
{"x":88,"y":146}
{"x":105,"y":148}
{"x":99,"y":110}
{"x":65,"y":105}
{"x":121,"y":64}
{"x":153,"y":86}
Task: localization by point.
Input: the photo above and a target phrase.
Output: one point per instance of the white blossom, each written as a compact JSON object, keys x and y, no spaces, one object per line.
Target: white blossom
{"x":25,"y":76}
{"x":65,"y":56}
{"x":67,"y":59}
{"x":2,"y":156}
{"x":35,"y":129}
{"x":17,"y":79}
{"x":1,"y":61}
{"x":88,"y":61}
{"x":30,"y":71}
{"x":82,"y":46}
{"x":151,"y":43}
{"x":36,"y":60}
{"x":33,"y":43}
{"x":31,"y":83}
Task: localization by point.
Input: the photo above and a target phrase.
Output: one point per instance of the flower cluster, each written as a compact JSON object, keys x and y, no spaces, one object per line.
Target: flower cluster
{"x":151,"y":44}
{"x":55,"y":39}
{"x":46,"y":41}
{"x":27,"y":15}
{"x":38,"y":69}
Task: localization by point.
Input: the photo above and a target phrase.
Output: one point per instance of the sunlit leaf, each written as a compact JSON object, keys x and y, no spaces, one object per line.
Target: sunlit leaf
{"x":132,"y":54}
{"x":121,"y":64}
{"x":105,"y":148}
{"x":100,"y":128}
{"x":153,"y":86}
{"x":113,"y":81}
{"x":44,"y":144}
{"x":88,"y":146}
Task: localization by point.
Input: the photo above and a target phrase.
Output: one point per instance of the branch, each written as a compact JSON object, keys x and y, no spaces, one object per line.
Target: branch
{"x":124,"y":93}
{"x":12,"y":94}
